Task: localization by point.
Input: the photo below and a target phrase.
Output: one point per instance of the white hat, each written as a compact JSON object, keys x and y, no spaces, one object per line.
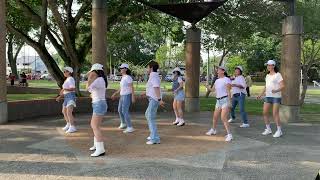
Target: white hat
{"x":69,"y":69}
{"x":239,"y":67}
{"x":124,"y":66}
{"x":177,"y":69}
{"x":271,"y":62}
{"x":96,"y":67}
{"x":223,"y":67}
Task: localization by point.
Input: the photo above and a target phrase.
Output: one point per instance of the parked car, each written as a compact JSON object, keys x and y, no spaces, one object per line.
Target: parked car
{"x":46,"y":77}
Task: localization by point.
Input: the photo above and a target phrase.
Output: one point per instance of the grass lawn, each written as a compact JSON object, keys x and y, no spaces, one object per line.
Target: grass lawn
{"x":21,"y":97}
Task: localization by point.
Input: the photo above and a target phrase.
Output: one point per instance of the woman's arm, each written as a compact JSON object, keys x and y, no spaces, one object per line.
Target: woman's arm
{"x":280,"y":89}
{"x":133,"y":97}
{"x":262,"y":93}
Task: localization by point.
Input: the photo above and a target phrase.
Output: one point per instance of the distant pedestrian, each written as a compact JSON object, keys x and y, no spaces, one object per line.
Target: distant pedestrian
{"x":238,"y":85}
{"x":12,"y":78}
{"x":96,"y":85}
{"x":127,"y":97}
{"x":68,"y":93}
{"x":178,"y":92}
{"x":222,"y":88}
{"x":23,"y":81}
{"x":249,"y":84}
{"x":272,"y":91}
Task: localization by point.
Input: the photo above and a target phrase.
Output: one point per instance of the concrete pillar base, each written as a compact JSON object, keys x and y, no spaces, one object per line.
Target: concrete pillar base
{"x":3,"y":113}
{"x":289,"y":114}
{"x":192,"y":104}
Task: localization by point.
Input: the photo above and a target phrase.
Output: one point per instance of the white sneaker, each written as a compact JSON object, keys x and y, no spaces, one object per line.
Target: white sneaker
{"x":71,"y":129}
{"x":211,"y":132}
{"x":176,"y":121}
{"x":66,"y":127}
{"x":148,"y":138}
{"x":229,"y":138}
{"x":181,"y":123}
{"x":277,"y":134}
{"x":244,"y":125}
{"x":231,"y":120}
{"x":151,"y":143}
{"x":122,"y":126}
{"x":267,"y":132}
{"x":129,"y":130}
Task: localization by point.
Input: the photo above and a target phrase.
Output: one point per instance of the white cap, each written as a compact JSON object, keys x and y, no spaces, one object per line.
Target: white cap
{"x":239,"y":67}
{"x":223,"y":67}
{"x":124,"y":66}
{"x":96,"y":67}
{"x":271,"y":62}
{"x":177,"y":69}
{"x":69,"y":69}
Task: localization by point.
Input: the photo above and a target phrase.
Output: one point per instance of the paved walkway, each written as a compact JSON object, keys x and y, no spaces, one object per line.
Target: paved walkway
{"x":38,"y":149}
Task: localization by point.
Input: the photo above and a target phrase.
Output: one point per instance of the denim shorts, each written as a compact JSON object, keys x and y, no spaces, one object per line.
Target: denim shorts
{"x":179,"y":96}
{"x":69,"y":99}
{"x":272,"y":100}
{"x":222,"y":103}
{"x":99,"y":108}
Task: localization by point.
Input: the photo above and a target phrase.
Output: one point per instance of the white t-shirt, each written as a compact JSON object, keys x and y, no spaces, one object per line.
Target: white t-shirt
{"x":125,"y":87}
{"x":68,"y":83}
{"x":221,"y":87}
{"x":153,"y":82}
{"x":98,"y":90}
{"x":239,"y":80}
{"x":273,"y":83}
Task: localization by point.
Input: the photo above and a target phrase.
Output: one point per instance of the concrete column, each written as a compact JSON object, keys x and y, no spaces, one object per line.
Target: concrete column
{"x":193,"y":46}
{"x":3,"y":70}
{"x":99,"y":32}
{"x":292,"y":30}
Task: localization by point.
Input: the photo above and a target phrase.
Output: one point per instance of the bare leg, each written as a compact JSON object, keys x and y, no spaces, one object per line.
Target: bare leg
{"x":276,"y":116}
{"x":95,"y":125}
{"x":224,"y":118}
{"x":64,"y":112}
{"x":216,"y":115}
{"x":70,"y":115}
{"x":175,"y":108}
{"x":180,"y":109}
{"x":266,"y":107}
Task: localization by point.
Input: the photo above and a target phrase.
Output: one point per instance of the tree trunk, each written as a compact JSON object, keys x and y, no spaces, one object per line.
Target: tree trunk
{"x":13,"y":58}
{"x":77,"y":78}
{"x":304,"y":85}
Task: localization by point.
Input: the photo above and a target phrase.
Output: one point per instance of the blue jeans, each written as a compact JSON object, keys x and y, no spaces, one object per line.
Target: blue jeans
{"x":151,"y":114}
{"x":123,"y":109}
{"x":99,"y":108}
{"x":241,"y":100}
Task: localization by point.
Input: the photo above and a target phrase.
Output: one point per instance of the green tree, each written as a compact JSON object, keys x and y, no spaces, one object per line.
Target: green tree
{"x":309,"y":9}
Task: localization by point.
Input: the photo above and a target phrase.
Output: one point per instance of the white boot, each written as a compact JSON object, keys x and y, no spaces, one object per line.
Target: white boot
{"x":99,"y":150}
{"x":94,"y":144}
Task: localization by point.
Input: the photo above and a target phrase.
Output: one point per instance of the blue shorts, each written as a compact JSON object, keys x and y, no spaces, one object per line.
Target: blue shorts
{"x":223,"y":103}
{"x":99,"y":108}
{"x":69,"y":99}
{"x":272,"y":100}
{"x":179,"y":96}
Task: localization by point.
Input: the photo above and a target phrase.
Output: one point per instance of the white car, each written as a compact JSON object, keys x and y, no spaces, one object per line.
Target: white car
{"x":46,"y":77}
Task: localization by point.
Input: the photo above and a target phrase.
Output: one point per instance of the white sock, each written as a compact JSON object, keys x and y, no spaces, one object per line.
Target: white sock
{"x":268,"y":126}
{"x":279,"y":128}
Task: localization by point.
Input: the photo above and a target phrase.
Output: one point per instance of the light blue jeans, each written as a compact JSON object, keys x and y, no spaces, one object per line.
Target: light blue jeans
{"x":151,"y":114}
{"x":241,"y":100}
{"x":123,"y":109}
